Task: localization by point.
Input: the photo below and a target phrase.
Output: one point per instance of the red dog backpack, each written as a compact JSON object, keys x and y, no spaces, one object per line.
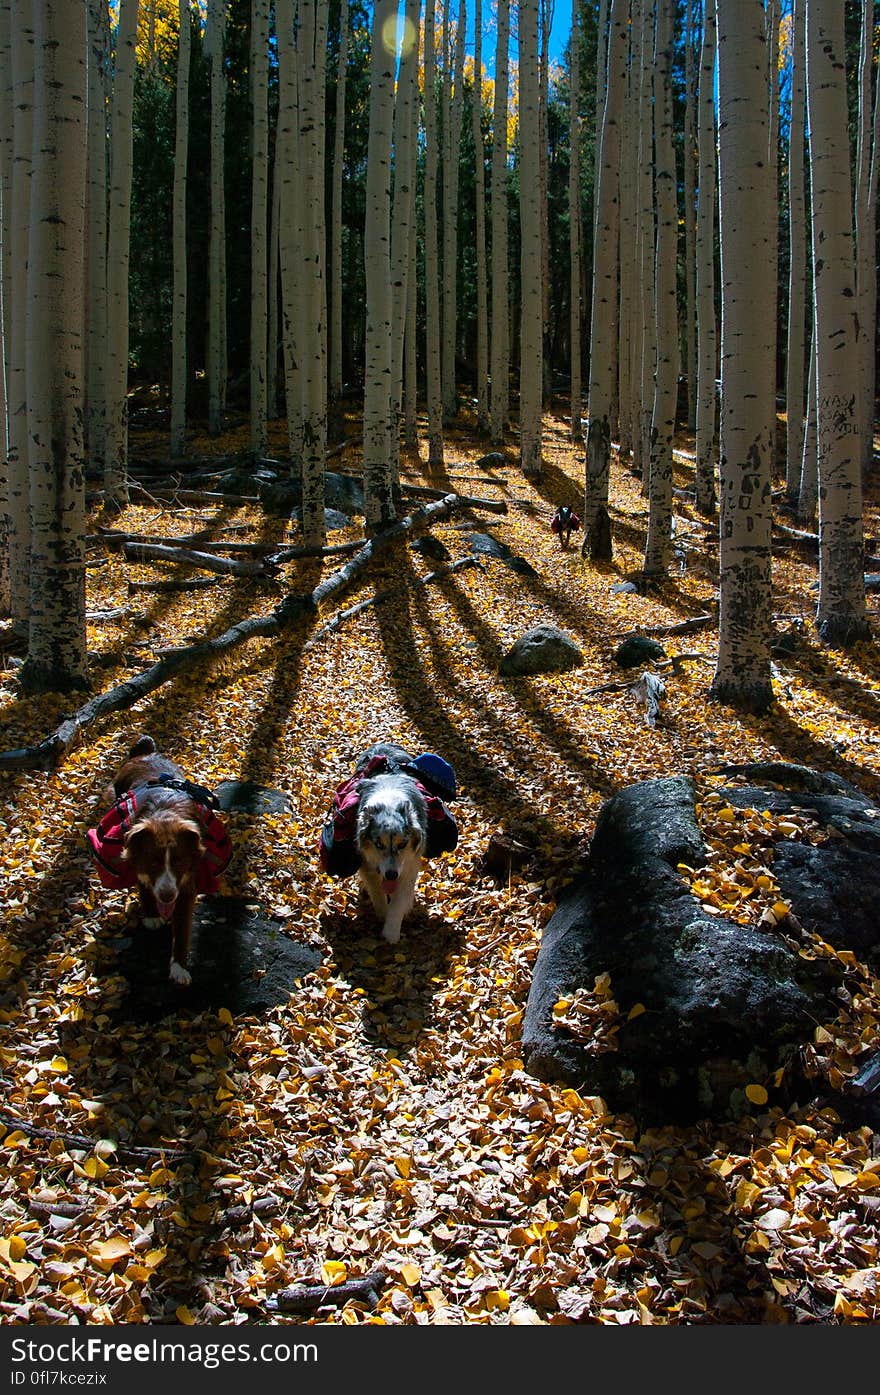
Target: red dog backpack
{"x":107,"y":841}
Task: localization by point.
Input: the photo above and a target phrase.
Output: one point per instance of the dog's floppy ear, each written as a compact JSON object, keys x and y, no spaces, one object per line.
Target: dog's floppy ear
{"x":191,"y":837}
{"x":137,"y":839}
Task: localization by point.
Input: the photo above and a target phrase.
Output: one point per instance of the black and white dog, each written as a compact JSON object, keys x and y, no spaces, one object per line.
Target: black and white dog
{"x":384,"y":821}
{"x":391,"y":834}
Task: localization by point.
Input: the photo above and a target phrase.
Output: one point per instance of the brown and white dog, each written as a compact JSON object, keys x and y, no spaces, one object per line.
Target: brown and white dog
{"x":162,"y":836}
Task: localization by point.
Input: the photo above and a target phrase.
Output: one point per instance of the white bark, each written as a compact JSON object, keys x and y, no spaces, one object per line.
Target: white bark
{"x":707,"y":330}
{"x":808,"y":490}
{"x":287,"y":166}
{"x":433,"y":375}
{"x":626,"y":336}
{"x":482,"y":381}
{"x":118,"y":237}
{"x":272,"y":290}
{"x":574,"y":225}
{"x":747,"y":216}
{"x":380,"y":414}
{"x":603,"y":320}
{"x":259,"y":213}
{"x":404,"y":142}
{"x":19,"y":514}
{"x":7,"y":126}
{"x":452,"y":108}
{"x":312,"y":58}
{"x":56,"y":658}
{"x":690,"y":220}
{"x":841,"y":617}
{"x":645,"y":245}
{"x":545,"y":21}
{"x":96,"y":234}
{"x":531,"y":316}
{"x":794,"y":370}
{"x":866,"y":233}
{"x":336,"y":211}
{"x":179,"y":292}
{"x":214,"y":45}
{"x":657,"y":544}
{"x":499,"y":353}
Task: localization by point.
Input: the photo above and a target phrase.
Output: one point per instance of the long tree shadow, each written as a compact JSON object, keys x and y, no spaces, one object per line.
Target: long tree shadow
{"x":398,"y":982}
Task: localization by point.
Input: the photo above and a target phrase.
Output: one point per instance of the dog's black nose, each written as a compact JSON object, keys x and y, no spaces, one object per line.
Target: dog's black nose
{"x":392,"y":874}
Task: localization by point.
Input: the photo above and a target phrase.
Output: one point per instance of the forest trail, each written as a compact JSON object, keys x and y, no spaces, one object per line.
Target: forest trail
{"x":382,"y":1118}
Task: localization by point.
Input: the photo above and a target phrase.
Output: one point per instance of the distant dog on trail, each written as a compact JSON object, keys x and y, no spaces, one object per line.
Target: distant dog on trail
{"x":161,"y":834}
{"x":565,"y":521}
{"x":385,"y":820}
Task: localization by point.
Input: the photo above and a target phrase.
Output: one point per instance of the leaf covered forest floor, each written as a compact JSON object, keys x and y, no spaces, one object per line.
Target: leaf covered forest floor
{"x":382,"y":1119}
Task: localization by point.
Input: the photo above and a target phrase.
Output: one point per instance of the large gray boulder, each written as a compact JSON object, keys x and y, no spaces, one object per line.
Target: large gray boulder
{"x":724,"y":1004}
{"x":543,"y":649}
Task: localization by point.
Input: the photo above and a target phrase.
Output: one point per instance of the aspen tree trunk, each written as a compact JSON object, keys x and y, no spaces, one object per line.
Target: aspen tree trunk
{"x":841,"y":617}
{"x":410,"y":407}
{"x":646,"y":243}
{"x":482,"y":382}
{"x":772,"y":19}
{"x":603,"y":321}
{"x":808,"y":491}
{"x":259,"y":430}
{"x":433,"y":373}
{"x":15,"y":257}
{"x":531,"y":319}
{"x":118,"y":235}
{"x":380,"y":415}
{"x":404,"y":143}
{"x":602,"y":40}
{"x":312,"y":58}
{"x":575,"y":224}
{"x":794,"y":368}
{"x":707,"y":331}
{"x":214,"y":44}
{"x":545,"y":17}
{"x":452,"y":110}
{"x":56,"y":658}
{"x":272,"y":361}
{"x":866,"y":235}
{"x":690,"y":221}
{"x":336,"y":217}
{"x":179,"y":295}
{"x":747,"y":223}
{"x":291,"y":199}
{"x":500,"y":347}
{"x":7,"y":125}
{"x":657,"y":544}
{"x":96,"y":216}
{"x":627,"y":201}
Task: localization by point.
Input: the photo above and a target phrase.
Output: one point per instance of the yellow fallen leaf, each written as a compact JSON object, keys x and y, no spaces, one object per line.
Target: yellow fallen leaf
{"x":411,"y":1274}
{"x":635,"y":1011}
{"x":184,"y":1316}
{"x":756,"y":1094}
{"x":333,"y":1272}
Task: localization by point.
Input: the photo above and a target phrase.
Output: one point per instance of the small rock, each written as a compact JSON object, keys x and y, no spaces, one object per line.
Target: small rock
{"x":638,"y":649}
{"x":543,"y":649}
{"x":432,"y":547}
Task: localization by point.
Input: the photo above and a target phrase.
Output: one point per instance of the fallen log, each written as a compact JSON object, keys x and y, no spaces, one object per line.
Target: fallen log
{"x":307,"y":1298}
{"x":684,"y":627}
{"x":224,"y":566}
{"x":422,"y":491}
{"x":190,"y":496}
{"x":380,"y":596}
{"x":77,"y":1140}
{"x":115,"y":538}
{"x":49,"y":753}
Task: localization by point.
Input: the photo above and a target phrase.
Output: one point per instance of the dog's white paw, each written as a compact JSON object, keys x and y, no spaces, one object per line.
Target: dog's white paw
{"x":391,"y":933}
{"x":152,"y":922}
{"x":178,"y":974}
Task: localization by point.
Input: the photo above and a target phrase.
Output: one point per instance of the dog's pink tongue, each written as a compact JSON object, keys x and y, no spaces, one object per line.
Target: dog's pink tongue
{"x":389,"y":886}
{"x":165,"y":909}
